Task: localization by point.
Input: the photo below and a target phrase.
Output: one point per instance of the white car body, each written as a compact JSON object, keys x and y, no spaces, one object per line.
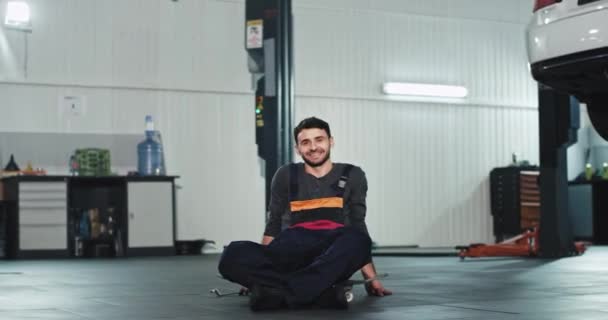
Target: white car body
{"x":567,"y":27}
{"x":567,"y":43}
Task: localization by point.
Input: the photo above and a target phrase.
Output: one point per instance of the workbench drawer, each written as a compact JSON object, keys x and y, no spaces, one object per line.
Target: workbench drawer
{"x":43,"y":187}
{"x":43,"y":203}
{"x":33,"y":216}
{"x":42,"y":191}
{"x":42,"y":237}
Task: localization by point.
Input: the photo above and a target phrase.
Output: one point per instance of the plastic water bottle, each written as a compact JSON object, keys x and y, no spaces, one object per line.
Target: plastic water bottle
{"x":85,"y":225}
{"x":150,"y":160}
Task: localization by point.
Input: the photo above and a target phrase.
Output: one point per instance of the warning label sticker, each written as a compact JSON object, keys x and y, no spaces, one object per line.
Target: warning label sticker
{"x":255,"y":34}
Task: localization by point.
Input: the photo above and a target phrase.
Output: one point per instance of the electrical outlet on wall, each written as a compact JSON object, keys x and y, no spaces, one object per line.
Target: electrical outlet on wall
{"x":73,"y":105}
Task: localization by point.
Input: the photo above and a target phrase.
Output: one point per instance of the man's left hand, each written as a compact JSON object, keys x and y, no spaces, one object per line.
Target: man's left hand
{"x":375,"y":288}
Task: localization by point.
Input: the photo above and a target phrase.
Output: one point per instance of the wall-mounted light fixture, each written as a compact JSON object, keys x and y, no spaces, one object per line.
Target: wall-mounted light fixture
{"x":18,"y":16}
{"x":424,"y":90}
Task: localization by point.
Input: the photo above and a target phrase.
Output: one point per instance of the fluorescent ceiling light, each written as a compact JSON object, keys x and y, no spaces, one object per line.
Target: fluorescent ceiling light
{"x":424,"y":90}
{"x":17,"y":15}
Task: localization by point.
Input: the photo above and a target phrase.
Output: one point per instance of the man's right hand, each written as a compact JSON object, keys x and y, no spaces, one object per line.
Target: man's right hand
{"x":244,"y":291}
{"x":375,"y":288}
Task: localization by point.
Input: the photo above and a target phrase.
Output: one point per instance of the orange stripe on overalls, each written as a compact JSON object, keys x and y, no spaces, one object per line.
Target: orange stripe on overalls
{"x":331,"y":202}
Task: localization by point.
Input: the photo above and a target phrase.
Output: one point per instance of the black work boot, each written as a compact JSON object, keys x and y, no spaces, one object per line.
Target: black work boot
{"x":266,"y":298}
{"x":333,"y":297}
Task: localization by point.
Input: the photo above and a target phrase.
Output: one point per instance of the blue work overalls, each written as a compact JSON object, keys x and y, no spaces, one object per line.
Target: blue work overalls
{"x":301,"y":261}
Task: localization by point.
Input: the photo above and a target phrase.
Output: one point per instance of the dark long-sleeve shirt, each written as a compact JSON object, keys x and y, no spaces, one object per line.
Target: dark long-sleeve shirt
{"x":311,"y":187}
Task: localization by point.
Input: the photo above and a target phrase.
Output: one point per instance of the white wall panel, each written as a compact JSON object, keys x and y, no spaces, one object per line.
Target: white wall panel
{"x":427,"y":164}
{"x":516,"y":11}
{"x":195,"y":45}
{"x":359,"y":50}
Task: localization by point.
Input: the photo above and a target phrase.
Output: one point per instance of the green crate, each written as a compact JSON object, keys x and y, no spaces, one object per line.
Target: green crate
{"x":93,"y":162}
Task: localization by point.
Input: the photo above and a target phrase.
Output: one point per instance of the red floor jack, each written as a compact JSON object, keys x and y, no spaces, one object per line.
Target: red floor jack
{"x":524,"y":245}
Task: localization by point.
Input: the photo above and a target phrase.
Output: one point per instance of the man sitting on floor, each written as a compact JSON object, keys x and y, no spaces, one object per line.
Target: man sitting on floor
{"x":326,"y":242}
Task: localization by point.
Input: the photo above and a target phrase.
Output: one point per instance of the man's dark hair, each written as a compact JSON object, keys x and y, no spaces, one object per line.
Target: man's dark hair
{"x":311,"y":123}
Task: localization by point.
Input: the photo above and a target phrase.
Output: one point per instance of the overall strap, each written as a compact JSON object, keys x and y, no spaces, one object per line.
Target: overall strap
{"x":293,"y":181}
{"x":343,"y":179}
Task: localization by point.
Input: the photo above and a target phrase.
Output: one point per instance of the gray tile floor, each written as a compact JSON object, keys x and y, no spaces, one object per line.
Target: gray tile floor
{"x":424,"y":288}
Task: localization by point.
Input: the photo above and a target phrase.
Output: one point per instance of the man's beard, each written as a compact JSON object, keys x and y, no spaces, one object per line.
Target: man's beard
{"x":318,"y":164}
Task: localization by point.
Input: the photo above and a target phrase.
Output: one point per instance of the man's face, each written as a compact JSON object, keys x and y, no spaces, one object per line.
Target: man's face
{"x":314,"y":146}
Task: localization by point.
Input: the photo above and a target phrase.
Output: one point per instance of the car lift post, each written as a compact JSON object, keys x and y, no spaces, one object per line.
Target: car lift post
{"x":559,"y":121}
{"x":269,"y":45}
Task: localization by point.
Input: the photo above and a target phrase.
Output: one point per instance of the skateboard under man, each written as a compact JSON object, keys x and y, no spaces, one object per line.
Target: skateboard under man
{"x":348,"y":287}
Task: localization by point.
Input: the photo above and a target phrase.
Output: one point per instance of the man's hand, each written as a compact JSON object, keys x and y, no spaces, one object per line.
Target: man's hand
{"x":375,"y":288}
{"x":267,"y":239}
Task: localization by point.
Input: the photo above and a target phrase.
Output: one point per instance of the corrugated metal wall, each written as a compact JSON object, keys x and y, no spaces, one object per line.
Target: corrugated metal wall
{"x":427,"y":162}
{"x":184,"y":63}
